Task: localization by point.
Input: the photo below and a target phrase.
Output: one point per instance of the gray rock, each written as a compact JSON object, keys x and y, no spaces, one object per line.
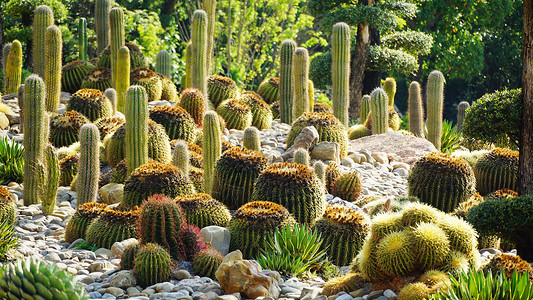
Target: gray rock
{"x":326,"y":151}
{"x":390,"y":295}
{"x":111,"y":193}
{"x":310,"y":293}
{"x":307,"y":139}
{"x":218,"y":237}
{"x":181,"y":274}
{"x":123,"y":279}
{"x":344,"y":297}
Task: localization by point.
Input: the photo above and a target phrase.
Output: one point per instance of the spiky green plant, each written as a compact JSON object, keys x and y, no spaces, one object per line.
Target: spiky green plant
{"x":8,"y":239}
{"x":332,"y":173}
{"x":389,"y":86}
{"x":202,"y":210}
{"x":261,"y":113}
{"x":416,"y":111}
{"x":13,"y":68}
{"x":451,"y":138}
{"x":235,"y":113}
{"x":461,"y":112}
{"x":435,"y":102}
{"x":123,"y":77}
{"x":192,"y":241}
{"x":193,"y":101}
{"x":220,"y":88}
{"x":340,"y":49}
{"x":365,"y":108}
{"x":112,"y":225}
{"x":348,"y":186}
{"x":358,"y":131}
{"x":111,"y":94}
{"x":152,"y":265}
{"x":101,"y":19}
{"x":206,"y":262}
{"x":89,"y":166}
{"x":52,"y":68}
{"x":169,"y":92}
{"x":43,"y":18}
{"x":52,"y":181}
{"x":98,"y":78}
{"x":149,"y":80}
{"x":200,"y":41}
{"x":68,"y":168}
{"x":163,"y":63}
{"x":268,"y":90}
{"x":346,"y":283}
{"x":136,"y":127}
{"x":301,"y":156}
{"x":181,"y":157}
{"x":300,"y":73}
{"x":497,"y":169}
{"x":137,"y":59}
{"x":176,"y":121}
{"x":65,"y":128}
{"x":73,"y":74}
{"x":11,"y":161}
{"x":251,"y":139}
{"x":5,"y":55}
{"x":108,"y":125}
{"x":8,"y":207}
{"x":323,"y":107}
{"x":320,"y":170}
{"x":286,"y":87}
{"x":92,"y":103}
{"x":82,"y":39}
{"x":210,"y":7}
{"x":127,"y":259}
{"x":212,"y":146}
{"x":379,"y":111}
{"x":77,"y":225}
{"x":188,"y":66}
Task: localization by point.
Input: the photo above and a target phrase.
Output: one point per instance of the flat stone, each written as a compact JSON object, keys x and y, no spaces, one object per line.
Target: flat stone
{"x":4,"y":121}
{"x":115,"y":291}
{"x":326,"y":151}
{"x":123,"y":279}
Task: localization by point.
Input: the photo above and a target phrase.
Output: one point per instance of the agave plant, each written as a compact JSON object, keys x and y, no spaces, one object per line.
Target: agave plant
{"x":11,"y":161}
{"x":293,"y":251}
{"x":478,"y":285}
{"x":450,"y":138}
{"x":8,"y":240}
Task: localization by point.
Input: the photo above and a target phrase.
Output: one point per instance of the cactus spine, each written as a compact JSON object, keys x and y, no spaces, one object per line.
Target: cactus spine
{"x":136,"y":127}
{"x":13,"y":68}
{"x":101,"y":18}
{"x":212,"y":145}
{"x":5,"y":54}
{"x":416,"y":111}
{"x":116,"y":22}
{"x":188,"y":65}
{"x":52,"y":69}
{"x":210,"y":7}
{"x":380,"y":115}
{"x":461,"y":112}
{"x":300,"y":79}
{"x":123,"y":77}
{"x":82,"y":39}
{"x":181,"y":157}
{"x":199,"y":51}
{"x":286,"y":88}
{"x":340,"y":50}
{"x":390,"y":88}
{"x":52,"y":179}
{"x":89,"y":164}
{"x":365,"y":109}
{"x":44,"y":17}
{"x":250,"y":139}
{"x":163,"y":63}
{"x":34,"y":138}
{"x":435,"y":100}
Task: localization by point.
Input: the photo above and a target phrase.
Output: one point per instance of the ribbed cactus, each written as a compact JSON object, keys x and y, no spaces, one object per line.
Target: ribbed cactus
{"x":163,"y":63}
{"x":152,"y":265}
{"x":101,"y":18}
{"x":5,"y":54}
{"x":416,"y":111}
{"x":212,"y":145}
{"x":52,"y":69}
{"x":301,"y":156}
{"x":199,"y":51}
{"x":117,"y":39}
{"x":188,"y":65}
{"x":320,"y":170}
{"x":365,"y":108}
{"x":300,"y":72}
{"x":35,"y":139}
{"x":181,"y":157}
{"x":136,"y":127}
{"x":251,"y":139}
{"x":286,"y":87}
{"x":340,"y":50}
{"x":89,"y":164}
{"x":210,"y":7}
{"x":44,"y":17}
{"x":21,"y":106}
{"x":111,"y":94}
{"x":52,"y":181}
{"x":435,"y":102}
{"x":461,"y":112}
{"x":379,"y":109}
{"x":82,"y":39}
{"x":389,"y":86}
{"x":13,"y":68}
{"x":123,"y":77}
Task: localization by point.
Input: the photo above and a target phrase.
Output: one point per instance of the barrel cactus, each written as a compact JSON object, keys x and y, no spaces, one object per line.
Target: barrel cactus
{"x":149,"y":80}
{"x":92,"y":103}
{"x":193,"y":101}
{"x":73,"y":74}
{"x":358,"y":131}
{"x":176,"y":121}
{"x":152,"y":265}
{"x":127,"y":259}
{"x":169,"y":92}
{"x":112,"y":225}
{"x":68,"y":168}
{"x":251,"y":139}
{"x":77,"y":225}
{"x":108,"y":125}
{"x":348,"y":186}
{"x":220,"y":88}
{"x":236,"y":114}
{"x":192,"y":240}
{"x":495,"y":170}
{"x":322,"y":107}
{"x":206,"y":262}
{"x":8,"y":207}
{"x":136,"y":57}
{"x":268,"y":90}
{"x":202,"y":210}
{"x":261,"y":113}
{"x":65,"y":128}
{"x":98,"y":78}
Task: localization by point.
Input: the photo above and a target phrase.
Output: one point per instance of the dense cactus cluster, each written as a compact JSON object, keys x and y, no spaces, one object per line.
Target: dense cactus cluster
{"x":81,"y":219}
{"x":112,"y":225}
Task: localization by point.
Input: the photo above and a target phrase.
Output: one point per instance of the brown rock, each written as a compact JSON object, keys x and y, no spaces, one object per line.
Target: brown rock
{"x":111,"y":193}
{"x":4,"y":122}
{"x":307,"y":139}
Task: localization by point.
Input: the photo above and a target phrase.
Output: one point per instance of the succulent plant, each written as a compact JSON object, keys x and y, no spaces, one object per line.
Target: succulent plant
{"x":220,"y":88}
{"x":301,"y":156}
{"x":101,"y":19}
{"x":495,"y":170}
{"x":348,"y":186}
{"x":98,"y":78}
{"x":32,"y":279}
{"x":294,"y":186}
{"x":365,"y":108}
{"x":393,"y":119}
{"x":416,"y":111}
{"x":200,"y":51}
{"x":191,"y":238}
{"x":163,"y":63}
{"x":77,"y":225}
{"x":152,"y":265}
{"x":116,"y":39}
{"x":251,"y":139}
{"x":206,"y":262}
{"x":431,"y":243}
{"x":212,"y":147}
{"x":286,"y":85}
{"x":268,"y":90}
{"x":435,"y":102}
{"x":122,"y":82}
{"x":331,"y":175}
{"x":160,"y":222}
{"x":441,"y":180}
{"x":92,"y":103}
{"x":119,"y":173}
{"x":68,"y":167}
{"x":322,"y":107}
{"x":379,"y":111}
{"x":340,"y":49}
{"x":320,"y":170}
{"x":13,"y":68}
{"x":261,"y":113}
{"x":235,"y":113}
{"x":169,"y":91}
{"x":127,"y":259}
{"x":65,"y":128}
{"x":274,"y":108}
{"x":509,"y":263}
{"x":82,"y":39}
{"x":389,"y":86}
{"x":52,"y":68}
{"x":136,"y":57}
{"x":149,"y":80}
{"x":8,"y":207}
{"x":358,"y":131}
{"x":112,"y":225}
{"x":235,"y":174}
{"x":73,"y":74}
{"x":346,"y":283}
{"x":253,"y":223}
{"x":461,"y":112}
{"x":181,"y":157}
{"x":177,"y":122}
{"x":414,"y":291}
{"x":155,"y":178}
{"x":42,"y":19}
{"x":300,"y":73}
{"x":107,"y":125}
{"x":89,"y":164}
{"x":202,"y":210}
{"x":194,"y":102}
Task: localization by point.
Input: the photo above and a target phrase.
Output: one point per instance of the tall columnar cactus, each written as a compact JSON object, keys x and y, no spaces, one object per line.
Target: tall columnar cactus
{"x":21,"y":106}
{"x":136,"y":127}
{"x":13,"y":68}
{"x":52,"y":181}
{"x":461,"y":112}
{"x":34,"y":138}
{"x":188,"y":65}
{"x":117,"y":39}
{"x":5,"y":54}
{"x":123,"y":77}
{"x":435,"y":102}
{"x":199,"y":51}
{"x":390,"y":88}
{"x":111,"y":94}
{"x":52,"y":69}
{"x":82,"y":39}
{"x":212,"y":145}
{"x":101,"y":18}
{"x":163,"y":63}
{"x":251,"y":139}
{"x":89,"y":164}
{"x":210,"y":7}
{"x":181,"y":157}
{"x":44,"y":17}
{"x":365,"y":108}
{"x":300,"y":79}
{"x":416,"y":111}
{"x":286,"y":87}
{"x":340,"y":74}
{"x":379,"y":109}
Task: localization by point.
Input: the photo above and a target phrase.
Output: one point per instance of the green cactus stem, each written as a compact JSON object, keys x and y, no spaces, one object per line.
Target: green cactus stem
{"x":101,"y":19}
{"x":210,"y":7}
{"x":117,"y":39}
{"x":193,"y":101}
{"x":435,"y":102}
{"x":163,"y":63}
{"x":111,"y":94}
{"x":44,"y":18}
{"x":89,"y":164}
{"x":300,"y":79}
{"x":123,"y":77}
{"x":461,"y":112}
{"x":365,"y":108}
{"x":301,"y":156}
{"x":251,"y":139}
{"x":379,"y":109}
{"x":212,"y":146}
{"x":13,"y":68}
{"x":389,"y":86}
{"x":136,"y":127}
{"x":340,"y":50}
{"x":188,"y":65}
{"x":82,"y":39}
{"x":21,"y":106}
{"x":286,"y":87}
{"x":199,"y":51}
{"x":5,"y":54}
{"x":52,"y":69}
{"x":416,"y":111}
{"x":52,"y":182}
{"x":181,"y":157}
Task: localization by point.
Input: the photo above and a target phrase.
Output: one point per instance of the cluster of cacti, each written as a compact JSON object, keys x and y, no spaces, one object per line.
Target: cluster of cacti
{"x":442,"y":180}
{"x":286,"y":85}
{"x":340,"y":50}
{"x":13,"y":68}
{"x":235,"y":174}
{"x":294,"y":186}
{"x":68,"y":168}
{"x":416,"y":111}
{"x":32,"y":279}
{"x":8,"y":207}
{"x":52,"y":68}
{"x":108,"y":125}
{"x":199,"y":51}
{"x":253,"y":223}
{"x":191,"y":237}
{"x":509,"y":263}
{"x":348,"y":186}
{"x":495,"y":170}
{"x":136,"y":57}
{"x":160,"y":222}
{"x":98,"y":78}
{"x":176,"y":121}
{"x":251,"y":139}
{"x":358,"y":131}
{"x":152,"y":265}
{"x":112,"y":225}
{"x":393,"y":120}
{"x":149,"y":80}
{"x":300,"y":73}
{"x":220,"y":88}
{"x":202,"y":210}
{"x":127,"y":259}
{"x":73,"y":74}
{"x":65,"y":128}
{"x":206,"y":262}
{"x":193,"y":101}
{"x":155,"y":178}
{"x":329,"y":129}
{"x":346,"y":283}
{"x":435,"y":103}
{"x":322,"y":107}
{"x":261,"y":113}
{"x":42,"y":19}
{"x":269,"y":90}
{"x":235,"y":113}
{"x":212,"y":147}
{"x":77,"y":225}
{"x":169,"y":92}
{"x":89,"y":164}
{"x":301,"y":156}
{"x":344,"y":231}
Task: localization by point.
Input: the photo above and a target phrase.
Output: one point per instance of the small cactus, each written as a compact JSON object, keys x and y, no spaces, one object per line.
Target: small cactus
{"x":435,"y":102}
{"x":251,"y":139}
{"x":286,"y":87}
{"x":188,"y":65}
{"x":301,"y":156}
{"x":152,"y":265}
{"x":210,"y":7}
{"x":320,"y":170}
{"x":89,"y":164}
{"x":181,"y":158}
{"x":127,"y":259}
{"x":123,"y":77}
{"x":163,"y":63}
{"x":13,"y":68}
{"x":52,"y":68}
{"x":192,"y":240}
{"x":390,"y":88}
{"x":52,"y":183}
{"x":111,"y":94}
{"x":379,"y":110}
{"x":206,"y":262}
{"x":193,"y":101}
{"x":5,"y":54}
{"x":416,"y":111}
{"x":365,"y":108}
{"x":341,"y":71}
{"x":300,"y":79}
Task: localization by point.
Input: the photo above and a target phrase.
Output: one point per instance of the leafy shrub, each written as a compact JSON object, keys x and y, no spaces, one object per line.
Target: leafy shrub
{"x":86,"y":246}
{"x":11,"y":161}
{"x":8,"y":240}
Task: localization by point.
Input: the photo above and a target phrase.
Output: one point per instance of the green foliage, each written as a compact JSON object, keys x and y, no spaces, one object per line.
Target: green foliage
{"x":86,"y":246}
{"x":293,"y":251}
{"x":11,"y":161}
{"x":411,"y":42}
{"x":450,"y":138}
{"x":8,"y":239}
{"x":394,"y":61}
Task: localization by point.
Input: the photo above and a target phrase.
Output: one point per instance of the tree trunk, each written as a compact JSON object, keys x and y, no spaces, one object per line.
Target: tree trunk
{"x":167,"y":8}
{"x":357,"y":72}
{"x":525,"y":167}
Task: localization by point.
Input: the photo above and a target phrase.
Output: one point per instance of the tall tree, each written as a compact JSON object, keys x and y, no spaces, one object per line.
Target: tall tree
{"x":525,"y":167}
